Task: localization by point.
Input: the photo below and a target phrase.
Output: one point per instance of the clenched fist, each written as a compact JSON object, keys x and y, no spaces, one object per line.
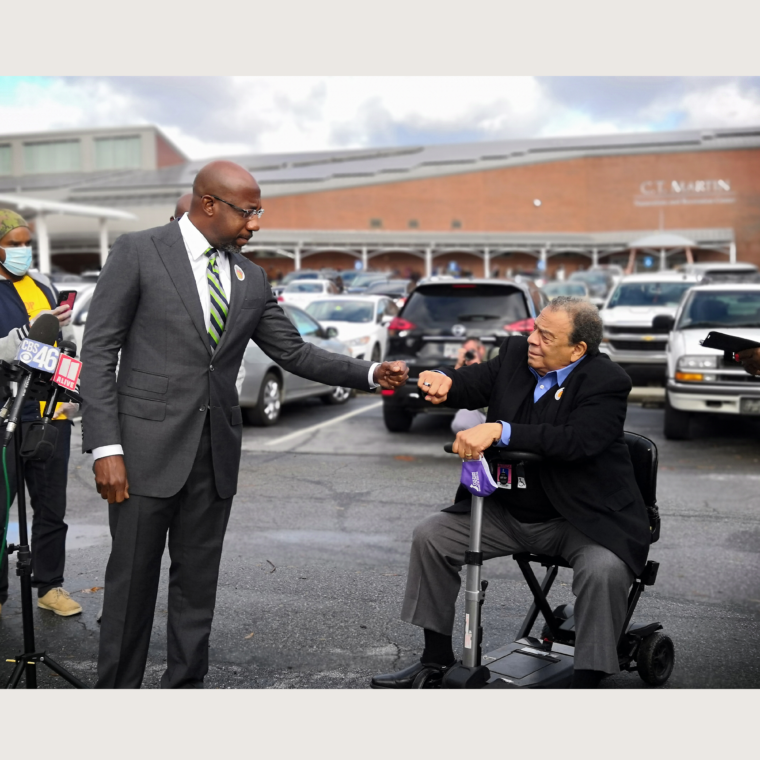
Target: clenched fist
{"x":390,"y":375}
{"x":435,"y":385}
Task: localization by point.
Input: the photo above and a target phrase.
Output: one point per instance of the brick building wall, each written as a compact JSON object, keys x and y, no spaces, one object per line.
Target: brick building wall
{"x":590,"y":194}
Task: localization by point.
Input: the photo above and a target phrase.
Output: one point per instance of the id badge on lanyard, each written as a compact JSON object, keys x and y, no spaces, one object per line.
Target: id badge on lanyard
{"x":507,"y":475}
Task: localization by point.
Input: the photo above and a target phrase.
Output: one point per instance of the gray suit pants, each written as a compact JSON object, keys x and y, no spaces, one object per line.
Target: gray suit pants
{"x":196,"y":520}
{"x":600,"y":578}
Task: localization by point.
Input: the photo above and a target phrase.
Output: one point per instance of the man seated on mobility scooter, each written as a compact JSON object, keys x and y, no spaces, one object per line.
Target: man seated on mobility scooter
{"x":553,"y":394}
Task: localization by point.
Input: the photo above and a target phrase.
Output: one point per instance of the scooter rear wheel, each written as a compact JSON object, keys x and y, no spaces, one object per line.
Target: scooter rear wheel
{"x":655,"y":659}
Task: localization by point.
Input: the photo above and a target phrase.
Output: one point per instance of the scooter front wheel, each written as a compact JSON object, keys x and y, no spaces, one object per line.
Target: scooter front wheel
{"x":428,"y":678}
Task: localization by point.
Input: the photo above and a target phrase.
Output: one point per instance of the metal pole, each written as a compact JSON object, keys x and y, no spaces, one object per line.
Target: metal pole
{"x":472,"y":589}
{"x":428,"y":262}
{"x":663,"y":260}
{"x":486,"y":262}
{"x":43,"y":244}
{"x":594,"y":257}
{"x":365,"y":258}
{"x":297,"y":258}
{"x":103,"y":241}
{"x":24,"y":559}
{"x":732,"y":253}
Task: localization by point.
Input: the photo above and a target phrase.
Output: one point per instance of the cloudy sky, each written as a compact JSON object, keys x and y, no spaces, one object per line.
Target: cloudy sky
{"x":212,"y":116}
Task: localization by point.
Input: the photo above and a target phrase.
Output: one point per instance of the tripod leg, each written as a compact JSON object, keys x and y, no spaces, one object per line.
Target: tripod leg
{"x":61,"y":671}
{"x":16,"y":675}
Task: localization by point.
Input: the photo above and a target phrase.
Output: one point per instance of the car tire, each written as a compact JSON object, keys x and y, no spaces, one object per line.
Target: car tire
{"x":338,"y":395}
{"x":269,"y":404}
{"x":376,"y":353}
{"x":397,"y":420}
{"x":677,"y":424}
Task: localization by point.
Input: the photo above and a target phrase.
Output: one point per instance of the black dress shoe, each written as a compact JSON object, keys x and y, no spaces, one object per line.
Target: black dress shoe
{"x":405,"y":678}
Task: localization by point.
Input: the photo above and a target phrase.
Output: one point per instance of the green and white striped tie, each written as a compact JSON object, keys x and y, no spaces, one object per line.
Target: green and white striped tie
{"x":218,"y":301}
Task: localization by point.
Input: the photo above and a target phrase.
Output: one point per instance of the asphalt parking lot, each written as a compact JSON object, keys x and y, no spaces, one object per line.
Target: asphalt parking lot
{"x":316,"y":551}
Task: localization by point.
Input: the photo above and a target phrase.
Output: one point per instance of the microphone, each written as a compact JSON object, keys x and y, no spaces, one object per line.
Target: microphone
{"x":43,"y":331}
{"x":70,"y":349}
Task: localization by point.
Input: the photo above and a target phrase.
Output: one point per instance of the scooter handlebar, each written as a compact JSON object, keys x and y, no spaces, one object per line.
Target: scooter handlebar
{"x":506,"y":455}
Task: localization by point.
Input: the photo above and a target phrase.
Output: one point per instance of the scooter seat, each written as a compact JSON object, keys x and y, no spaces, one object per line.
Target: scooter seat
{"x":544,"y":559}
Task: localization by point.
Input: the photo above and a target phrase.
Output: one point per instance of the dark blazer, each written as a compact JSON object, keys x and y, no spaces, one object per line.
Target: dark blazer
{"x":587,"y":471}
{"x":146,"y":306}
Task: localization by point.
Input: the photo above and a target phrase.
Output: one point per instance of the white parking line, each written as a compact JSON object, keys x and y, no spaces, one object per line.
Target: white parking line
{"x":321,"y":425}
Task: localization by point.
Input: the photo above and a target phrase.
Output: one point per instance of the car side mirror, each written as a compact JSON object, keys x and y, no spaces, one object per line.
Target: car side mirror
{"x":663,"y":323}
{"x":81,"y":319}
{"x":387,"y":319}
{"x":331,"y":332}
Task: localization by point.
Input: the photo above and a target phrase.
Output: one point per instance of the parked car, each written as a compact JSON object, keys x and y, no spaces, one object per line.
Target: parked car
{"x":702,"y":380}
{"x":363,"y":281}
{"x":398,"y":290}
{"x":268,"y":386}
{"x":614,"y":270}
{"x":599,"y":283}
{"x":81,"y":308}
{"x":439,"y":315}
{"x":300,"y":274}
{"x":630,"y":338}
{"x":717,"y":271}
{"x":576,"y":289}
{"x":303,"y":292}
{"x":361,"y":322}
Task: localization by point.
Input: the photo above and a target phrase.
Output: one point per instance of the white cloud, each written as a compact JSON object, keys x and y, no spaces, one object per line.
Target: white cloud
{"x":226,"y":116}
{"x":725,"y":105}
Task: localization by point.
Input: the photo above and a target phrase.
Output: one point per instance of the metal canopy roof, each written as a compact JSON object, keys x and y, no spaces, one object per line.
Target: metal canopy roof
{"x":663,"y":240}
{"x":295,"y":173}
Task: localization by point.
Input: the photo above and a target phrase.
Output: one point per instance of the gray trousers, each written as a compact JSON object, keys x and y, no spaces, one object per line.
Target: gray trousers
{"x":601,"y":580}
{"x":195,"y":520}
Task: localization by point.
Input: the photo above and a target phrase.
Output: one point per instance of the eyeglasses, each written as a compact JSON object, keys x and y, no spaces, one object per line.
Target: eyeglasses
{"x":246,"y":212}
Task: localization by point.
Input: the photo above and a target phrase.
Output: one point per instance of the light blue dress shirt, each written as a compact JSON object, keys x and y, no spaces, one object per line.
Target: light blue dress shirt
{"x":543,"y":385}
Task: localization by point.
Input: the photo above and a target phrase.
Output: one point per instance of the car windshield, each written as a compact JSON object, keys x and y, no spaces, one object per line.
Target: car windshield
{"x":363,"y":280}
{"x":437,"y":306}
{"x":298,"y":275}
{"x":597,"y":277}
{"x":341,"y":311}
{"x":721,"y":309}
{"x":388,"y":288}
{"x":565,"y":289}
{"x":649,"y":294}
{"x":304,"y":287}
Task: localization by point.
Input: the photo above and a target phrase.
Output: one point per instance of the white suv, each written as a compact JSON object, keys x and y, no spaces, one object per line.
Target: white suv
{"x":702,"y":380}
{"x":630,"y":338}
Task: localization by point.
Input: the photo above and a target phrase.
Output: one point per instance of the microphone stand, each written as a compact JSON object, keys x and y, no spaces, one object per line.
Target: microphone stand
{"x":28,"y":660}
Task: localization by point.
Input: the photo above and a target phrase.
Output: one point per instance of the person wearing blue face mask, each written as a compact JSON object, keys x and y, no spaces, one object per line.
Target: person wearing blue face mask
{"x":22,"y":298}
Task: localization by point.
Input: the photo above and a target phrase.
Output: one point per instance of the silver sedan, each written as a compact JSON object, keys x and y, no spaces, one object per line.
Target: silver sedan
{"x":267,"y":386}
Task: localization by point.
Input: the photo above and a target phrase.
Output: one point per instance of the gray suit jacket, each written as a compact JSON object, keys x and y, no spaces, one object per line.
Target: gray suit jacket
{"x":146,"y":305}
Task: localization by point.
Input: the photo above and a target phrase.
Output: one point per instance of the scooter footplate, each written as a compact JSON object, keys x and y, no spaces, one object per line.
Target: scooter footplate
{"x":520,"y":665}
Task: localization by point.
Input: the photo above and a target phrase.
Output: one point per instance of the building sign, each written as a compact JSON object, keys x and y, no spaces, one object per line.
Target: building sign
{"x":676,"y":192}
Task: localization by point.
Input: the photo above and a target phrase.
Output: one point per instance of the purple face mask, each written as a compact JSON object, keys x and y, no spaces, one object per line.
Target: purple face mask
{"x":476,"y":477}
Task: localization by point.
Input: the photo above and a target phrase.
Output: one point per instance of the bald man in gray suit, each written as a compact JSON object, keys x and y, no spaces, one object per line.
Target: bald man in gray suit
{"x":181,"y":303}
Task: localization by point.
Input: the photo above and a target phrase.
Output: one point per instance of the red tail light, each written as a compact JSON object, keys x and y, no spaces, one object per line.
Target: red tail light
{"x":522,"y":326}
{"x":280,"y":299}
{"x":398,"y":325}
{"x":388,"y":392}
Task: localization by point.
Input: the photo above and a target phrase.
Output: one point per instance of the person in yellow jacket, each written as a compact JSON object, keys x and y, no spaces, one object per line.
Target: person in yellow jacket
{"x":23,"y":296}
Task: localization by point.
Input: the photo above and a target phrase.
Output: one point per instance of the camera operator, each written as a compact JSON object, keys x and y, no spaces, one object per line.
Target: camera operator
{"x":23,"y":297}
{"x":472,"y":351}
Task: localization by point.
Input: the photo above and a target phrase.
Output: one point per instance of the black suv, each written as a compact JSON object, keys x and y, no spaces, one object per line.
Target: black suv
{"x":439,"y":315}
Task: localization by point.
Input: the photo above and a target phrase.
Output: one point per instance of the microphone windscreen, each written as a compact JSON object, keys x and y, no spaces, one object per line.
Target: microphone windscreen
{"x":68,"y":347}
{"x":45,"y":329}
